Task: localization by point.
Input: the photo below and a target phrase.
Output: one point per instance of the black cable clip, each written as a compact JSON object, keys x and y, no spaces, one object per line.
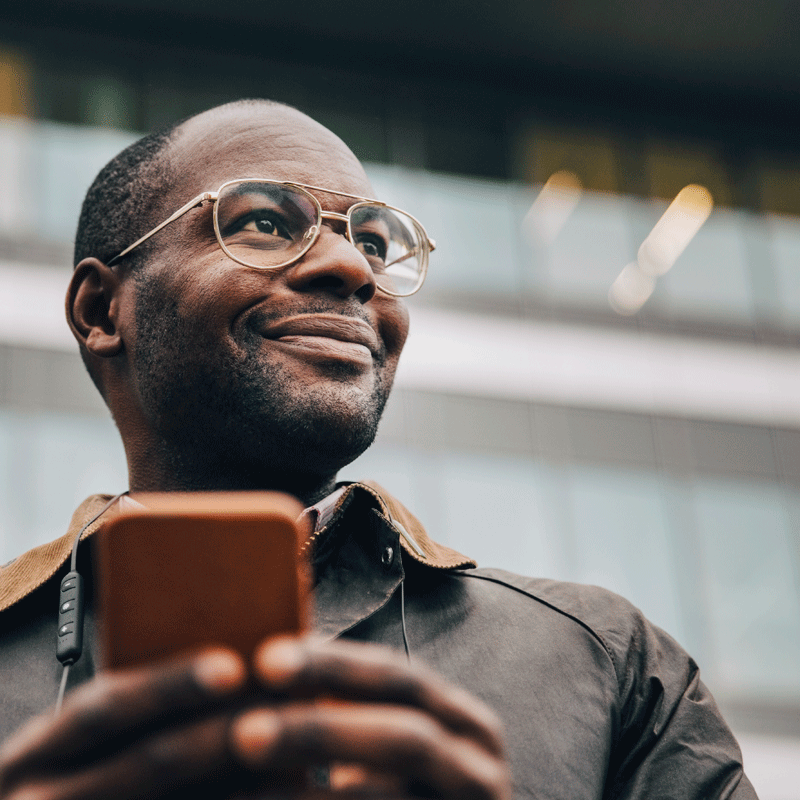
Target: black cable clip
{"x":70,"y":619}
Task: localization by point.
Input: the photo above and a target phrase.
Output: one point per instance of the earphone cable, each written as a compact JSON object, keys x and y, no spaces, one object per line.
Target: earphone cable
{"x":73,"y":562}
{"x":62,"y":688}
{"x":403,"y":617}
{"x":70,"y":609}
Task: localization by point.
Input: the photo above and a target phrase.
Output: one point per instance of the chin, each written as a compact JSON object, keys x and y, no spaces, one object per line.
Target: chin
{"x":243,"y":415}
{"x":314,"y":429}
{"x":329,"y":429}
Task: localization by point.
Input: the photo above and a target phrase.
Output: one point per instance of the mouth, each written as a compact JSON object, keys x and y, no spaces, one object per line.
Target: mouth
{"x":331,"y":335}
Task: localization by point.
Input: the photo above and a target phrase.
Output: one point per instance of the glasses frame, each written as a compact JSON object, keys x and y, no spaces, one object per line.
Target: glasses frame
{"x":428,"y":244}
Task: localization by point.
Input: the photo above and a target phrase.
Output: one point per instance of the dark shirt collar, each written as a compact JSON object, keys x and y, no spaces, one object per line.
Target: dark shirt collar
{"x":32,"y":569}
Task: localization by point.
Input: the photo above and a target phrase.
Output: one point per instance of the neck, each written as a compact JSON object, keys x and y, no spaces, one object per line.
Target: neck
{"x":175,"y":474}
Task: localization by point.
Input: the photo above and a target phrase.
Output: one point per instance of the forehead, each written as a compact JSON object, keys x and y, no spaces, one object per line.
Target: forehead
{"x":270,"y":142}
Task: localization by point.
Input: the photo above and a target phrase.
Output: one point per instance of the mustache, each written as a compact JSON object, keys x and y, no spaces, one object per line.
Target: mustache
{"x":260,"y":316}
{"x":262,"y":313}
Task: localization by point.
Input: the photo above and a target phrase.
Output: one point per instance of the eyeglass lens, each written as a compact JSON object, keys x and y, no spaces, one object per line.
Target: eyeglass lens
{"x":265,"y":225}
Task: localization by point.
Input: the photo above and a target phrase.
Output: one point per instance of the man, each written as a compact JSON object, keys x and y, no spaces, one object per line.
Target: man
{"x":251,"y":344}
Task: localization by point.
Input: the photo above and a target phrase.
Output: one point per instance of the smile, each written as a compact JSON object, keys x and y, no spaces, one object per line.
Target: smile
{"x":328,"y":334}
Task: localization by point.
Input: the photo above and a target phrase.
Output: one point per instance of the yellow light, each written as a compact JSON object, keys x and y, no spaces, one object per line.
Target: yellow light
{"x":677,"y":227}
{"x":552,"y":207}
{"x":630,"y":290}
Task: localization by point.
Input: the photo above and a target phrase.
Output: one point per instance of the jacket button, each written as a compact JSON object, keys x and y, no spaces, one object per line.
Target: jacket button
{"x":387,"y":556}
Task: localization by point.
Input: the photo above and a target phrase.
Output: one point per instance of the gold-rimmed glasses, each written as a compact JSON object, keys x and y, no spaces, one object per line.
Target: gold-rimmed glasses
{"x":266,"y":224}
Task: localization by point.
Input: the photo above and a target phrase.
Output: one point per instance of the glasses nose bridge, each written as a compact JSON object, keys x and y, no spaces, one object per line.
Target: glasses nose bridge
{"x":334,"y":215}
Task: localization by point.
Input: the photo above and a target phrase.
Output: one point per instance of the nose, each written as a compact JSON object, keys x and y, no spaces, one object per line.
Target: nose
{"x":335,"y":265}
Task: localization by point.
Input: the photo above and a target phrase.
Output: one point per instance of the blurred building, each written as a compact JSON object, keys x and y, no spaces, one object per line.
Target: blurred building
{"x":634,"y":411}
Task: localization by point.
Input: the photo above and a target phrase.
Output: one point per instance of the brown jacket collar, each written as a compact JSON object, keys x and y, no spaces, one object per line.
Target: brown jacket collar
{"x":32,"y":569}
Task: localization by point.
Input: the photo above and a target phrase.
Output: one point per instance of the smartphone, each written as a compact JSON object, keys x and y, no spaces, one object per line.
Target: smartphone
{"x":178,"y":571}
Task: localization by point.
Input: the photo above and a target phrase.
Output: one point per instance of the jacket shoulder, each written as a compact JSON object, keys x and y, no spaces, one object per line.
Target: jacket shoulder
{"x":24,"y":574}
{"x":669,"y":732}
{"x":619,"y":626}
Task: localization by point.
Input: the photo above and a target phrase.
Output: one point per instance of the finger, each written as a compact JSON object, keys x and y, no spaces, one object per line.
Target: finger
{"x":371,"y":673}
{"x":397,"y":741}
{"x":170,"y":763}
{"x":120,"y":707}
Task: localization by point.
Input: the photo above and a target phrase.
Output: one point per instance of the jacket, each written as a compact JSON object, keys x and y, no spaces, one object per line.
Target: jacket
{"x":597,"y":702}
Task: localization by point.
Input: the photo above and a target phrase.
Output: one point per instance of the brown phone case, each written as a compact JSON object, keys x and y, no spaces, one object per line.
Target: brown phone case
{"x":200,"y":569}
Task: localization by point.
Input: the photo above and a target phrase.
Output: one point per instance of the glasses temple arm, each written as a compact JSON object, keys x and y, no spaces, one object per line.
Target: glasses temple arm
{"x":197,"y":201}
{"x":400,"y":260}
{"x":413,"y":252}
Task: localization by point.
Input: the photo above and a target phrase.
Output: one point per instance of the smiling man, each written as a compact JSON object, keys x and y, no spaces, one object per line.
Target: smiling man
{"x":237,"y":299}
{"x":282,"y":359}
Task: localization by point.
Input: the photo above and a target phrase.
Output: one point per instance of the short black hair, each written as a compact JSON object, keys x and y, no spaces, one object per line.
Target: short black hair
{"x":123,"y":202}
{"x":123,"y":196}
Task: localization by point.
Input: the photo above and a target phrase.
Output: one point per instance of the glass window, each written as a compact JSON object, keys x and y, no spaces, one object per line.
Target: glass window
{"x":711,"y":278}
{"x":8,"y":520}
{"x":467,"y":146}
{"x":68,"y":158}
{"x":750,"y":581}
{"x":53,"y":461}
{"x":109,"y":102}
{"x":624,"y":542}
{"x":17,"y":158}
{"x":501,"y":512}
{"x":472,"y":222}
{"x":784,"y":235}
{"x":588,"y":250}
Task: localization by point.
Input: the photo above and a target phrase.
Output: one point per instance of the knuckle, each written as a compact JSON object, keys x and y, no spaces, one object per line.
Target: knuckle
{"x":487,"y":777}
{"x":187,"y":752}
{"x":415,"y":689}
{"x":494,"y":727}
{"x":29,"y":792}
{"x":258,"y":740}
{"x":481,"y":720}
{"x":377,"y":656}
{"x":498,"y":778}
{"x":422,"y":737}
{"x":6,"y":767}
{"x":302,"y":737}
{"x":157,"y":758}
{"x":91,"y":708}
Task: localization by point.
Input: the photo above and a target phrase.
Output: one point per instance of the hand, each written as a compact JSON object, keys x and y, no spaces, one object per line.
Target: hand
{"x":195,"y":725}
{"x":137,"y":733}
{"x":387,"y":724}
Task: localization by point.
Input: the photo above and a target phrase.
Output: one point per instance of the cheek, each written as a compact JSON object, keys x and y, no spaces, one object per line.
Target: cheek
{"x":393,"y":326}
{"x":211,"y":292}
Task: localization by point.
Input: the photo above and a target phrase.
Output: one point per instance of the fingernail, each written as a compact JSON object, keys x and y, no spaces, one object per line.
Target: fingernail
{"x":254,"y":734}
{"x":220,"y":672}
{"x":279,"y":662}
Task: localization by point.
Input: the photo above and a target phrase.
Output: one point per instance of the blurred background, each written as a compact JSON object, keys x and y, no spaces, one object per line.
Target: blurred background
{"x":602,"y":383}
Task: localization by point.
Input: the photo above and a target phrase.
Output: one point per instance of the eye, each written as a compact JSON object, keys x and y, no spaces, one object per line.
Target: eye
{"x":260,"y":221}
{"x":372,"y":246}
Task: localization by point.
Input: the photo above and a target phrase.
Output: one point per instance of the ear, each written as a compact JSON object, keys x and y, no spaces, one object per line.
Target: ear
{"x":92,"y":306}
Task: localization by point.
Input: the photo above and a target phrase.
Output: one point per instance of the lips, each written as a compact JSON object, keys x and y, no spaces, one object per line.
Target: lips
{"x":306,"y":328}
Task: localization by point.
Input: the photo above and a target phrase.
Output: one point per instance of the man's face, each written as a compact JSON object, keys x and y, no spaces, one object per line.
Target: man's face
{"x":255,"y":371}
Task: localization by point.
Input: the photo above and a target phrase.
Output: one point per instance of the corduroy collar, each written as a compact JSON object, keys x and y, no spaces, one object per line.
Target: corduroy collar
{"x":30,"y":570}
